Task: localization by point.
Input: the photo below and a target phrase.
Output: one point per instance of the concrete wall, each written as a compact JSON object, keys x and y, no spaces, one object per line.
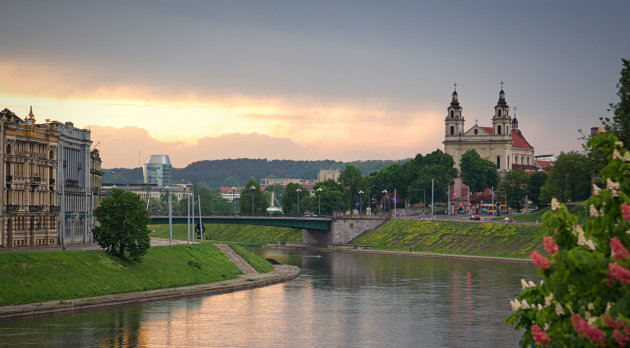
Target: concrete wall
{"x":348,"y":227}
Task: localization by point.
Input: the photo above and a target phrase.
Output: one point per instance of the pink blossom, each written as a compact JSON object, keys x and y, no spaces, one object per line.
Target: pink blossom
{"x":625,"y":210}
{"x":540,"y":336}
{"x":582,"y":327}
{"x":550,"y":246}
{"x":617,"y":249}
{"x":621,"y":337}
{"x":540,"y":261}
{"x":617,"y":272}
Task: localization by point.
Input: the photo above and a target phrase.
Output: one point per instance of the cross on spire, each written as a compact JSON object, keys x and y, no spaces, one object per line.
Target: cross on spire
{"x":501,"y":84}
{"x":455,"y":86}
{"x":514,"y":111}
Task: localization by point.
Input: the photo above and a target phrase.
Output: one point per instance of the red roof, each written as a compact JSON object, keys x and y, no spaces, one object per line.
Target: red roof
{"x":229,"y":189}
{"x":488,"y":129}
{"x":518,"y":140}
{"x":544,"y":164}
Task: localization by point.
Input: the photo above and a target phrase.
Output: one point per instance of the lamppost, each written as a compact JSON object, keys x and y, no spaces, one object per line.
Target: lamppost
{"x":385,"y":195}
{"x":319,"y":193}
{"x":233,"y":201}
{"x":360,"y":199}
{"x":253,"y":188}
{"x":298,"y":194}
{"x":124,"y":180}
{"x":369,"y":200}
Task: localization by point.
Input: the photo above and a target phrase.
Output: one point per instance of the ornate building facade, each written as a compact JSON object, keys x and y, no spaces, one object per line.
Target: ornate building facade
{"x":48,"y":175}
{"x":503,"y":143}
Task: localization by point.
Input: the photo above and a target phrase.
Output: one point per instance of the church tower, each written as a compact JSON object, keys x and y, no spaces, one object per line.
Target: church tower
{"x":501,"y":120}
{"x":454,"y":121}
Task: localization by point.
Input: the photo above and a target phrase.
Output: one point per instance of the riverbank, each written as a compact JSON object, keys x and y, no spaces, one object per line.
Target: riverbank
{"x":457,"y":238}
{"x":281,"y":273}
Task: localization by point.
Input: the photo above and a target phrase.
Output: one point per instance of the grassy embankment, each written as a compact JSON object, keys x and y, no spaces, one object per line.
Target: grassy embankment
{"x":455,"y":237}
{"x":250,"y":235}
{"x":578,"y":210}
{"x":59,"y":275}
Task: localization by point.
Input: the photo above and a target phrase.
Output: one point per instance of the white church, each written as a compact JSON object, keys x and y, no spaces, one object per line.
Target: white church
{"x":502,"y":143}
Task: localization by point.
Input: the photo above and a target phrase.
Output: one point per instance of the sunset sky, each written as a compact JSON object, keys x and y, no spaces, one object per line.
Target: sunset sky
{"x":342,"y":80}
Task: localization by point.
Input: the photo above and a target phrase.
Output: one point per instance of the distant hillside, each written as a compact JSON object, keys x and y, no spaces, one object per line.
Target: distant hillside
{"x":235,"y":172}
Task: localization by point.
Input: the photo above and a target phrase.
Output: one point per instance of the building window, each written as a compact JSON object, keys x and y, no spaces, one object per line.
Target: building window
{"x":476,"y":131}
{"x":527,"y":160}
{"x":522,"y":162}
{"x":452,"y":130}
{"x":499,"y":113}
{"x":452,"y":113}
{"x":498,"y":162}
{"x":515,"y":159}
{"x":499,"y":130}
{"x":507,"y":130}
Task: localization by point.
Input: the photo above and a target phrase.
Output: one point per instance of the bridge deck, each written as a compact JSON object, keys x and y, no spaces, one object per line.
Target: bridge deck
{"x":311,"y":223}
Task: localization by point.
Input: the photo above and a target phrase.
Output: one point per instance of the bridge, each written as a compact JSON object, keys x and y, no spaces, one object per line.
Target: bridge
{"x":317,"y":230}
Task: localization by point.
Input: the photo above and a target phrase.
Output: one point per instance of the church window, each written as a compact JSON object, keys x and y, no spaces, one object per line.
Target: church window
{"x":452,"y":113}
{"x":508,"y":161}
{"x":507,"y":130}
{"x":499,"y":113}
{"x":522,"y":162}
{"x":515,"y":159}
{"x":527,"y":159}
{"x":476,"y":131}
{"x":498,"y":162}
{"x":452,"y":130}
{"x":499,"y":130}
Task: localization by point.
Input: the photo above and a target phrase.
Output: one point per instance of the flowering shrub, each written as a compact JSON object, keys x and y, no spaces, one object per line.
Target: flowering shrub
{"x":584,"y":300}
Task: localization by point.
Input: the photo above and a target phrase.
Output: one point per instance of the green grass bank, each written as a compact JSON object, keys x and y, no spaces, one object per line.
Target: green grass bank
{"x":580,"y":211}
{"x":455,"y":237}
{"x":29,"y":277}
{"x":251,"y":235}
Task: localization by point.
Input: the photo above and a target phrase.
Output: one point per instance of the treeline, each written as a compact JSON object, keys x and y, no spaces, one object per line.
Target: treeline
{"x":236,"y":172}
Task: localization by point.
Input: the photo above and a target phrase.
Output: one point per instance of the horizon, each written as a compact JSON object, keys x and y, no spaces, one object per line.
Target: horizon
{"x":308,"y":80}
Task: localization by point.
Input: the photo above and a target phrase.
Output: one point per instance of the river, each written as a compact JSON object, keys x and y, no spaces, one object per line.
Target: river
{"x":339,"y":300}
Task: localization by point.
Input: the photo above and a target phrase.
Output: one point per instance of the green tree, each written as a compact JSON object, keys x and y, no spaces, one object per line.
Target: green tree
{"x":536,"y":182}
{"x":351,"y":180}
{"x":331,"y":196}
{"x":514,"y":183}
{"x":619,"y":125}
{"x":260,"y":202}
{"x":584,"y":298}
{"x":123,"y":220}
{"x":290,"y":199}
{"x":478,"y":173}
{"x":569,"y":180}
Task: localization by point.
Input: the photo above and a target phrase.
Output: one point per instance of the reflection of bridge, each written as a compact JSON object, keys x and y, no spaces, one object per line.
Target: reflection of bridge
{"x":317,"y":230}
{"x":312,"y":223}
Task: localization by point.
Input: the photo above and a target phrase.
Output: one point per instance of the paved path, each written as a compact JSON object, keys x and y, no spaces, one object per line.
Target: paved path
{"x":236,"y":259}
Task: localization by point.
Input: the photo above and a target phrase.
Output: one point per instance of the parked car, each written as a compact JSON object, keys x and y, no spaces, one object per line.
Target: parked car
{"x":475,"y":217}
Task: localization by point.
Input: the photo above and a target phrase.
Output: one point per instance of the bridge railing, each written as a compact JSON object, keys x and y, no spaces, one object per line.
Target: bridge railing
{"x":165,"y":213}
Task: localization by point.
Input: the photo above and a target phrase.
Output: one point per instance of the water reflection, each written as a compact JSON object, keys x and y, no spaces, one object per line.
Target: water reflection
{"x":339,"y":300}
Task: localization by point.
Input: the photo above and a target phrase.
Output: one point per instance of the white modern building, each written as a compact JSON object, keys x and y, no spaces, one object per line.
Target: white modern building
{"x":157,"y":170}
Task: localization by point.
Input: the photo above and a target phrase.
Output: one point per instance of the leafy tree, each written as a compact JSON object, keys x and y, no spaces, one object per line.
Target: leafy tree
{"x":351,"y":180}
{"x":331,"y":196}
{"x":514,"y":184}
{"x":569,"y":180}
{"x":260,"y":202}
{"x":290,"y":198}
{"x":478,"y":173}
{"x":536,"y":182}
{"x":584,"y":300}
{"x":122,"y":226}
{"x":620,"y":123}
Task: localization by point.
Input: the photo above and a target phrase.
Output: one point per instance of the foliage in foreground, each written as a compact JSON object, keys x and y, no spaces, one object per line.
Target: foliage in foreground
{"x":455,"y":237}
{"x":60,"y":275}
{"x":584,"y":300}
{"x":123,"y":225}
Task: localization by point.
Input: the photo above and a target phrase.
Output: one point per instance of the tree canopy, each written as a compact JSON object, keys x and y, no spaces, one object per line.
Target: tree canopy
{"x":478,"y":173}
{"x":619,"y":125}
{"x":253,"y":198}
{"x":569,"y":180}
{"x":514,"y":184}
{"x":122,"y":228}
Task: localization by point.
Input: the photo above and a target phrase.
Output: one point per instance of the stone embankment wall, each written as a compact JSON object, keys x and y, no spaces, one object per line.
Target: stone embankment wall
{"x":348,"y":227}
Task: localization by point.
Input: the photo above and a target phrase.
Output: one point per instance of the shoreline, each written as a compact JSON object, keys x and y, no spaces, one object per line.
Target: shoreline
{"x":359,"y":250}
{"x":280,"y":274}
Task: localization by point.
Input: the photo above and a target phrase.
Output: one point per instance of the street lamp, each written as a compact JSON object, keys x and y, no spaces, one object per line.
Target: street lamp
{"x":298,"y":194}
{"x":233,"y":201}
{"x":360,"y":199}
{"x":124,"y":180}
{"x":253,"y":188}
{"x":319,"y":193}
{"x":385,"y":195}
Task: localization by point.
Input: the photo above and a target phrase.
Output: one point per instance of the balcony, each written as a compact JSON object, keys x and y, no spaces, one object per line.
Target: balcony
{"x":11,"y":208}
{"x":35,"y":208}
{"x":54,"y":209}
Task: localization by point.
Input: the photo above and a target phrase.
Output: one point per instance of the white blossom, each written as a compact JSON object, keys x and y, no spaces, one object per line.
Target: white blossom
{"x":619,"y":143}
{"x":592,"y":211}
{"x":524,"y":304}
{"x":616,"y":154}
{"x":524,"y":284}
{"x":546,"y":327}
{"x":613,"y":187}
{"x":531,"y":284}
{"x":540,"y":307}
{"x":596,"y":190}
{"x":590,"y":244}
{"x":626,"y":156}
{"x":554,"y":204}
{"x":609,"y":306}
{"x":590,"y":306}
{"x":515,"y":305}
{"x":559,"y":310}
{"x":549,"y":299}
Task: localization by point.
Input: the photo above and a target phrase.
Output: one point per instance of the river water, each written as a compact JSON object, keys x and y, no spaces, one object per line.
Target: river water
{"x":339,"y":300}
